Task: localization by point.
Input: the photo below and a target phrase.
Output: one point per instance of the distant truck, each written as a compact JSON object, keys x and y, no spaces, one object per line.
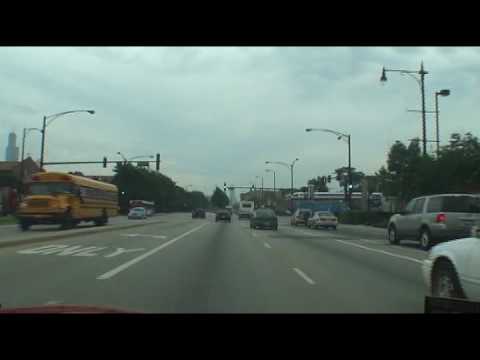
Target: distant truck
{"x":246,"y":209}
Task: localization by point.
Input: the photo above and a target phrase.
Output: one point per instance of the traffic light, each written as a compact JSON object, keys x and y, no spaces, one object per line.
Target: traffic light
{"x":253,"y":188}
{"x":158,"y":162}
{"x":329,"y":178}
{"x":224,"y":187}
{"x":104,"y":162}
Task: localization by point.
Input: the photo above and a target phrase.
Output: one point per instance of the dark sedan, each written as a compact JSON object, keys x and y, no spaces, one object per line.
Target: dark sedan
{"x":264,"y":218}
{"x":223,"y":215}
{"x":198,"y":213}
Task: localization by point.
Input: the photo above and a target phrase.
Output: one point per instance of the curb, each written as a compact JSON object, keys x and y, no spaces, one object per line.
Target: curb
{"x":66,"y":235}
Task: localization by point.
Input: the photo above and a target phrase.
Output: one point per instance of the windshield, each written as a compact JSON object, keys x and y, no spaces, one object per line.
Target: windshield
{"x":265,"y":213}
{"x":52,"y":188}
{"x":197,"y":170}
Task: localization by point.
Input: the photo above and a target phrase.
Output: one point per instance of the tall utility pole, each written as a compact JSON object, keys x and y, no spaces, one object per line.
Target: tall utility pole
{"x":424,"y":120}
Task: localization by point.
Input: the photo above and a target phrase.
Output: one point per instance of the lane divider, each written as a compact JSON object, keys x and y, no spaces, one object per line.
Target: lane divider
{"x":126,"y":265}
{"x":304,"y":276}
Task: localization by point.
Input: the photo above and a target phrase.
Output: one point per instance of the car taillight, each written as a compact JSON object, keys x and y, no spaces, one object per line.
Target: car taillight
{"x":441,"y":218}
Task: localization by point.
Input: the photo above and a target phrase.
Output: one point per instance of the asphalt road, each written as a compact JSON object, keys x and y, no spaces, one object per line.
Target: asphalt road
{"x":185,"y":265}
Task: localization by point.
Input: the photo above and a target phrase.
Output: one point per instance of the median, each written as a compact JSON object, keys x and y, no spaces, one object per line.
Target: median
{"x":64,"y":234}
{"x":375,"y":219}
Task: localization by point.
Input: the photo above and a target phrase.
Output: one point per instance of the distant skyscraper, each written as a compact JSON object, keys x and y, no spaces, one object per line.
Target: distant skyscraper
{"x":11,"y":153}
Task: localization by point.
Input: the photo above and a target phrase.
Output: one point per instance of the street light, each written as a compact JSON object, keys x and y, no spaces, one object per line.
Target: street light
{"x":273,"y":171}
{"x":421,"y":83}
{"x":261,"y":194}
{"x":25,"y":132}
{"x":51,"y":118}
{"x":444,"y":92}
{"x":125,"y":161}
{"x":290,"y":166}
{"x":141,"y":156}
{"x":339,"y":137}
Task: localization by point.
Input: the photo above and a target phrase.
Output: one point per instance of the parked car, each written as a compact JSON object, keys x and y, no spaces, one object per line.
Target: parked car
{"x":264,"y":218}
{"x":452,"y":269}
{"x":435,"y":218}
{"x":323,"y":219}
{"x":198,"y":213}
{"x":300,"y":217}
{"x":224,"y":215}
{"x":137,"y":213}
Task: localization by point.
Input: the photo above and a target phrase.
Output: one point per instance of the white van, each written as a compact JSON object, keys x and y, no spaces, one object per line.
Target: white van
{"x":246,"y":209}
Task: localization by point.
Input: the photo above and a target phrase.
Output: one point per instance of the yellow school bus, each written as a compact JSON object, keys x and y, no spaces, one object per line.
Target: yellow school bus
{"x":65,"y":199}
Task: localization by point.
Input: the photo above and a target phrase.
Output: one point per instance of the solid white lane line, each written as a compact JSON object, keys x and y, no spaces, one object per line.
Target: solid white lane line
{"x":267,"y":245}
{"x":126,"y":265}
{"x":52,"y":302}
{"x":377,"y":242}
{"x":304,"y":276}
{"x":381,"y":252}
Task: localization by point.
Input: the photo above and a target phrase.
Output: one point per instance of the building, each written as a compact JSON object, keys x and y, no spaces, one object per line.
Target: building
{"x":10,"y":176}
{"x":11,"y":152}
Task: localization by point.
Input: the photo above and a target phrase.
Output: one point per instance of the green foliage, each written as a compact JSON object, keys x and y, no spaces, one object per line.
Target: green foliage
{"x":409,"y":173}
{"x":318,"y":184}
{"x":219,"y":199}
{"x":136,"y":183}
{"x":357,"y":177}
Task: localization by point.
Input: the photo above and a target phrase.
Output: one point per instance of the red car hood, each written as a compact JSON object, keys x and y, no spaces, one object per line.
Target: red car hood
{"x":62,"y":309}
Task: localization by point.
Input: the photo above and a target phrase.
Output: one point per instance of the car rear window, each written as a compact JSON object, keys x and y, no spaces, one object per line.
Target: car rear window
{"x":265,"y":213}
{"x":463,"y":204}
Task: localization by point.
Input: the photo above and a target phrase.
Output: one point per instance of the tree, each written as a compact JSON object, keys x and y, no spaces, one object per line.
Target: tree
{"x":318,"y":184}
{"x":219,"y":199}
{"x":357,"y":177}
{"x":409,"y":173}
{"x":136,"y":183}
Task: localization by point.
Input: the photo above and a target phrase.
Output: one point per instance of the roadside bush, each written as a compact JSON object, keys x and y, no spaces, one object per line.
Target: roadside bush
{"x":377,"y":219}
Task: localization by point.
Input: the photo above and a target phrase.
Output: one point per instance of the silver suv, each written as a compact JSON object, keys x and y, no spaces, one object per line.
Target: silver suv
{"x":435,"y":218}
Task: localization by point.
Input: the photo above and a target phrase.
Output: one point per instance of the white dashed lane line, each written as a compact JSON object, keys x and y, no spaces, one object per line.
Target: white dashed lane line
{"x":304,"y":276}
{"x":267,"y":245}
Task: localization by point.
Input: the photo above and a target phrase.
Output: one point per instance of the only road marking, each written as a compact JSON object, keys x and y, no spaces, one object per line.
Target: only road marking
{"x":382,"y":252}
{"x":304,"y":276}
{"x":126,"y":265}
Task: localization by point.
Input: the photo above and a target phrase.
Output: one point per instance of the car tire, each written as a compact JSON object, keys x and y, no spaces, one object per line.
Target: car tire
{"x":445,"y":281}
{"x":425,"y":239}
{"x":392,"y":235}
{"x":68,"y":221}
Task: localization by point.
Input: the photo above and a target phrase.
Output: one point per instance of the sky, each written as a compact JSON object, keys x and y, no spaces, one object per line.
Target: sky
{"x":216,"y":114}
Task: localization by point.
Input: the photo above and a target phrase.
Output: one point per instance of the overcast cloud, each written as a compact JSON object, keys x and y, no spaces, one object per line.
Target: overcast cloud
{"x":217,"y":114}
